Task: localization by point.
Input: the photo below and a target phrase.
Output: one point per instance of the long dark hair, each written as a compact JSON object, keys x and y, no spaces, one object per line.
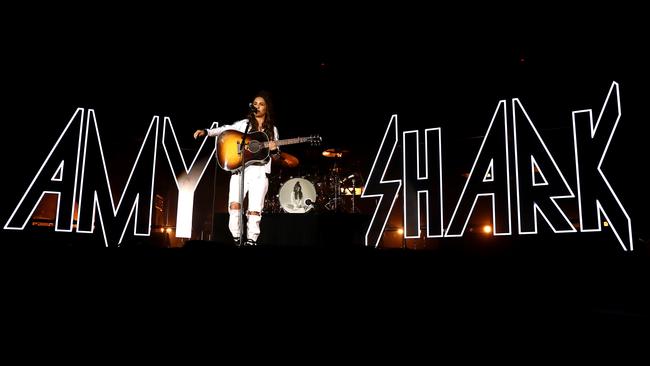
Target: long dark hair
{"x":297,"y":191}
{"x":269,"y":120}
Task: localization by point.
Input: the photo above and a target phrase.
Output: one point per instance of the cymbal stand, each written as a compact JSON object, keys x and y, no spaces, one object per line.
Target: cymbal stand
{"x":333,"y":204}
{"x":354,"y":192}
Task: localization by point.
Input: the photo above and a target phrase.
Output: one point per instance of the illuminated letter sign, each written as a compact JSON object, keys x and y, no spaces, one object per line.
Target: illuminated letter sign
{"x":595,"y":194}
{"x":75,"y":170}
{"x":539,"y":182}
{"x":57,"y":175}
{"x":489,"y":177}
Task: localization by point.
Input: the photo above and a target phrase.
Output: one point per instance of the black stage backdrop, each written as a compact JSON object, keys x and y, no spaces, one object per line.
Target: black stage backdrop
{"x":340,"y":73}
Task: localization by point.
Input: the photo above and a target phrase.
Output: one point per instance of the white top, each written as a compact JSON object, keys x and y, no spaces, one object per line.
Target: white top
{"x":241,"y":127}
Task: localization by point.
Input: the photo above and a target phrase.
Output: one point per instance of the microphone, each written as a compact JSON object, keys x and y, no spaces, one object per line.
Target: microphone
{"x":252,"y":108}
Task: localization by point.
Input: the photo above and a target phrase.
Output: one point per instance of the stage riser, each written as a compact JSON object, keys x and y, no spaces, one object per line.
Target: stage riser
{"x":325,"y":230}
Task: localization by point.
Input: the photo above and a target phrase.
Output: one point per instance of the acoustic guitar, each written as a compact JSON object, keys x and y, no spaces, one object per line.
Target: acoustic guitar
{"x":256,"y":148}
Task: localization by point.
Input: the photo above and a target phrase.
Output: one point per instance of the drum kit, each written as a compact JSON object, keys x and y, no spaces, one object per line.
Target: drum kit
{"x":335,"y":188}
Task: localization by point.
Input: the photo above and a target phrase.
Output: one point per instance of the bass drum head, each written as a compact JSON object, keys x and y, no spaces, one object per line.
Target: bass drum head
{"x":297,"y":195}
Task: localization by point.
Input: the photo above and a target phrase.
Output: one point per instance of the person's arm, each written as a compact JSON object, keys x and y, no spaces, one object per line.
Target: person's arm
{"x":273,"y":147}
{"x":211,"y":132}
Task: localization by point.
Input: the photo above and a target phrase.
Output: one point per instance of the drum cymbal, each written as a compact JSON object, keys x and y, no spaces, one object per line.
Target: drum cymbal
{"x":335,"y":153}
{"x":286,"y":160}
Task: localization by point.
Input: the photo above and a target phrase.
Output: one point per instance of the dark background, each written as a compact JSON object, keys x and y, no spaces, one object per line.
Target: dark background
{"x":336,"y":71}
{"x":339,"y":71}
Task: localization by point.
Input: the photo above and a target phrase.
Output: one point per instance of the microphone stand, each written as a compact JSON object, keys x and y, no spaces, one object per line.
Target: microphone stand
{"x":354,"y":191}
{"x":241,"y":150}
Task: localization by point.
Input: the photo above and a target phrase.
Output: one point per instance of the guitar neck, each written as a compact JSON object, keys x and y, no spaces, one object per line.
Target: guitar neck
{"x":296,"y":140}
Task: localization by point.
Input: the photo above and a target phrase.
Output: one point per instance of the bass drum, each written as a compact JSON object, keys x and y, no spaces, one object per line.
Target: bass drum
{"x":297,"y":195}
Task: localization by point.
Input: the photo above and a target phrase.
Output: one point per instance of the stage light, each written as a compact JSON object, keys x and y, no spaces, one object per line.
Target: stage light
{"x":487,"y":229}
{"x":605,"y":223}
{"x":169,"y":230}
{"x":400,"y":231}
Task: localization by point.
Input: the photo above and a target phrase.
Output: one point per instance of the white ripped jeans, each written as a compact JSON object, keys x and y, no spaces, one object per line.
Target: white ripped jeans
{"x":256,"y":184}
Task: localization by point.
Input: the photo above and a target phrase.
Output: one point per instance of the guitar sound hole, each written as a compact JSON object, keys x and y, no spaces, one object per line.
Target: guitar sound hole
{"x":254,"y":146}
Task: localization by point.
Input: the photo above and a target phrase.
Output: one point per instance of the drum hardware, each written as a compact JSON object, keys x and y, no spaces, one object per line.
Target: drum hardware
{"x":333,"y":189}
{"x":335,"y":153}
{"x":350,"y":191}
{"x":271,"y":202}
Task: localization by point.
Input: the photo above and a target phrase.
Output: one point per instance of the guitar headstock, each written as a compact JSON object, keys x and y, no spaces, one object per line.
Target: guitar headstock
{"x":315,"y":140}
